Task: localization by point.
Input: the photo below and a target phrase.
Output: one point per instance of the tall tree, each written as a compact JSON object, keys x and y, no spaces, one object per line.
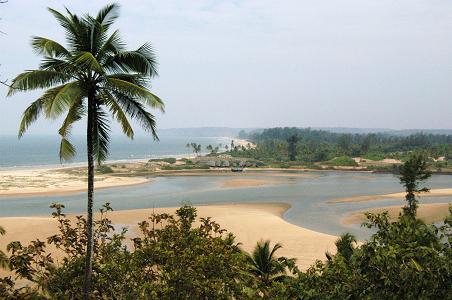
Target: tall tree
{"x":292,"y":147}
{"x":412,"y":173}
{"x":93,"y":75}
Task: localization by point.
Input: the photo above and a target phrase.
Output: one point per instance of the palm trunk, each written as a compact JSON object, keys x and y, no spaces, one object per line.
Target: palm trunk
{"x":89,"y":225}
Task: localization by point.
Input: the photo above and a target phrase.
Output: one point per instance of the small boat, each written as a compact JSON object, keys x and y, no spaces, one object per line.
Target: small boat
{"x":237,"y":169}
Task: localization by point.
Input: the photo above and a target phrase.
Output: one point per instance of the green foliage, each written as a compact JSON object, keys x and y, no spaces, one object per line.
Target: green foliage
{"x":412,"y":173}
{"x":187,"y":167}
{"x":273,"y":145}
{"x":103,"y":169}
{"x":171,"y":259}
{"x":343,"y":161}
{"x":170,"y":160}
{"x":374,"y":156}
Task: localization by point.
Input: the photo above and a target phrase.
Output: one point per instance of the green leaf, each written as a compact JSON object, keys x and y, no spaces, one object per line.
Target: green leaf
{"x":37,"y":79}
{"x":48,"y":47}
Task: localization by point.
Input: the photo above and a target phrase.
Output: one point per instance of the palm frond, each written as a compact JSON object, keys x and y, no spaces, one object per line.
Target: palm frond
{"x":101,"y":137}
{"x":72,"y":26}
{"x":112,"y":45}
{"x":142,"y":60}
{"x":88,"y":61}
{"x":107,"y":15}
{"x":75,"y":113}
{"x":137,"y":111}
{"x":48,"y":47}
{"x":60,"y":65}
{"x":67,"y":150}
{"x":37,"y":79}
{"x":61,"y":98}
{"x":118,"y":114}
{"x":135,"y":91}
{"x":30,"y":115}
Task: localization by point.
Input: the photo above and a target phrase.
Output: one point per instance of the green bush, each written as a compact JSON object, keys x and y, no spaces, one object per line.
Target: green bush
{"x":374,"y":156}
{"x":103,"y":169}
{"x":186,"y":167}
{"x":170,"y":160}
{"x":343,"y":161}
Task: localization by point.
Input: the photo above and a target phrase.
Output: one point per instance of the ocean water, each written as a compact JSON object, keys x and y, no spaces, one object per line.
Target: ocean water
{"x":42,"y":150}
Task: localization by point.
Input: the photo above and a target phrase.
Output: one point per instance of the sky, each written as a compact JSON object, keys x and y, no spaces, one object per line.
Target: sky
{"x":266,"y":63}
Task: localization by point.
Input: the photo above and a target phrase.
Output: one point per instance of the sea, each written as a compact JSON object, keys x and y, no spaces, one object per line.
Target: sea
{"x":42,"y":150}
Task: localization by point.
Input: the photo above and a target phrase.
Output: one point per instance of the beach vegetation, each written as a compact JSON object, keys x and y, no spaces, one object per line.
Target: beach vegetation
{"x":104,"y":169}
{"x":343,"y":161}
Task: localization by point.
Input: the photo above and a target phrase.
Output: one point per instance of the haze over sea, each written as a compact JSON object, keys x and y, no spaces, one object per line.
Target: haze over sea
{"x":42,"y":150}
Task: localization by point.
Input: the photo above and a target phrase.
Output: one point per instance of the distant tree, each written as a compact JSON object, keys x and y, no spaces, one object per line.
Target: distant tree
{"x":412,"y":173}
{"x":226,"y":147}
{"x":90,"y":77}
{"x":196,"y":148}
{"x":345,"y":142}
{"x":209,"y":148}
{"x":232,"y":145}
{"x":292,"y":147}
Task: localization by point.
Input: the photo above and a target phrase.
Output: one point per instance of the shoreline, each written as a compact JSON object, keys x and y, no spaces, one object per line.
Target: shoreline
{"x":395,"y":196}
{"x":249,"y":222}
{"x":428,"y":212}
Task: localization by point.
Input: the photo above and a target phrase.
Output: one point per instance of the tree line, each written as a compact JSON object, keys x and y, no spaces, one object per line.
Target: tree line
{"x":308,"y":145}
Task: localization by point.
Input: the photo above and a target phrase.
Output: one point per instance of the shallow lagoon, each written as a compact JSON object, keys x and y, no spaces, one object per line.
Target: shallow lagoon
{"x":307,"y":195}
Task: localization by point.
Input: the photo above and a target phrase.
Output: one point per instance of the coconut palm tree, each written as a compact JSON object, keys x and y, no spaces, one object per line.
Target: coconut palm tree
{"x":92,"y":76}
{"x":265,"y":266}
{"x":345,"y":245}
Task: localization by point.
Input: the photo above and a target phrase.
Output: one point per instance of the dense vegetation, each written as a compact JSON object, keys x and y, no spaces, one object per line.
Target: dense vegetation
{"x":305,"y":145}
{"x":175,"y":257}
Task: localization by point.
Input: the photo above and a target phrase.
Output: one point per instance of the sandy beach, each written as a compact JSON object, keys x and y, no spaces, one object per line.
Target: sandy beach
{"x":429,"y":213}
{"x":56,"y":181}
{"x":431,"y":193}
{"x":249,"y":222}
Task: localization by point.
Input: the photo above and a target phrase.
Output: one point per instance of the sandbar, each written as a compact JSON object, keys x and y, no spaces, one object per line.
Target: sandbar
{"x":431,"y":193}
{"x":249,"y":222}
{"x":429,"y":213}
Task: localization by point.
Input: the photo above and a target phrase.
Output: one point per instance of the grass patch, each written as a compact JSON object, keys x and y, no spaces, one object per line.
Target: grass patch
{"x":343,"y":161}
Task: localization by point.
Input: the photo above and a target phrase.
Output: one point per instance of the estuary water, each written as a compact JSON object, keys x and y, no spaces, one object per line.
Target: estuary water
{"x":307,"y":195}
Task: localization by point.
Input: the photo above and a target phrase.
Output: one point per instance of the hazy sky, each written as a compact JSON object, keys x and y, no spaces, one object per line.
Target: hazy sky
{"x":264,"y":63}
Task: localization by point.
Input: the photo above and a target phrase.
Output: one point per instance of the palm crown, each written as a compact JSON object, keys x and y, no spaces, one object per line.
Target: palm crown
{"x":93,"y":70}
